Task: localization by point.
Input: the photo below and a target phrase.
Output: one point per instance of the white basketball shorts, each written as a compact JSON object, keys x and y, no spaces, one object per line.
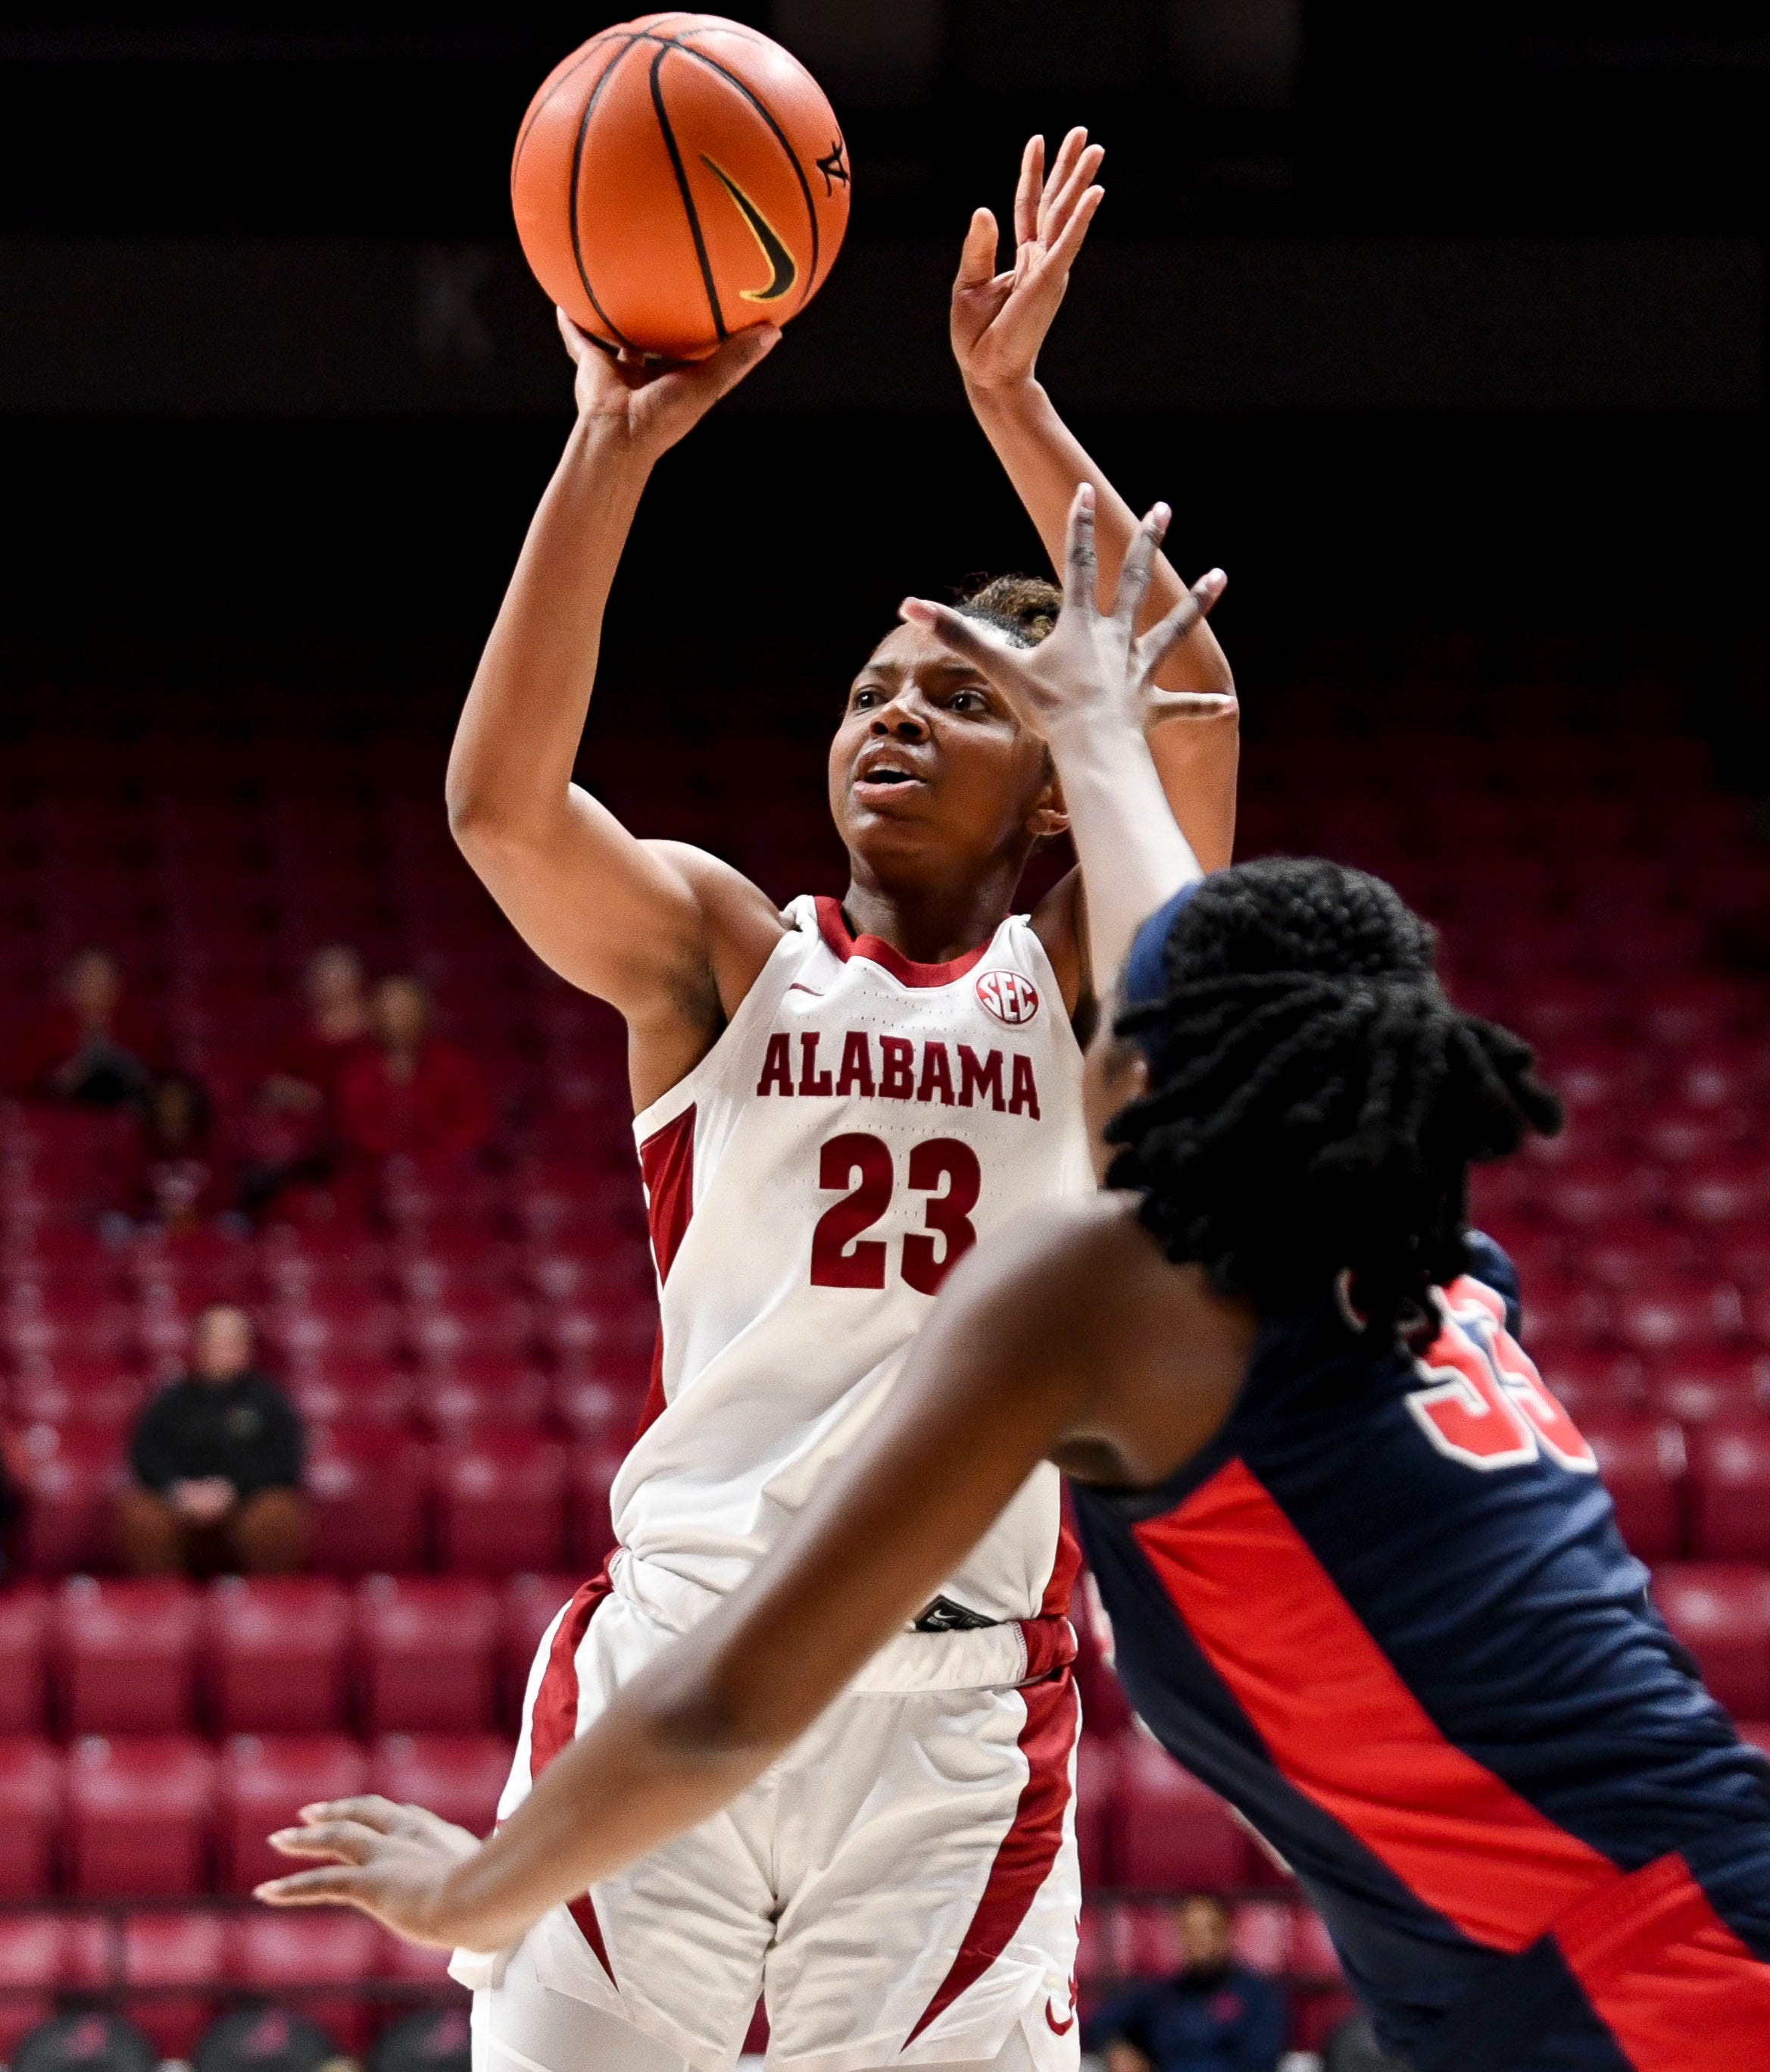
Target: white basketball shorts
{"x":900,"y":1888}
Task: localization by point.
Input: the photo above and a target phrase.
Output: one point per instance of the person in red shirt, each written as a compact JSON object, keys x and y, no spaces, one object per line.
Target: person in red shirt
{"x":304,"y":1079}
{"x":409,"y":1093}
{"x":89,"y":1047}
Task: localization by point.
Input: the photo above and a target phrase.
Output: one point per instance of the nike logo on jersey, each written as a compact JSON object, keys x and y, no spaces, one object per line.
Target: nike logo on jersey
{"x":898,"y":1068}
{"x":797,"y":987}
{"x":1056,"y":2027}
{"x":783,"y":269}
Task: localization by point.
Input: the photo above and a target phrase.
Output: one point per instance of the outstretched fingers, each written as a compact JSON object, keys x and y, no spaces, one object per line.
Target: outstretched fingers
{"x":1167,"y":632}
{"x":1139,"y":562}
{"x":1030,"y":191}
{"x":1080,"y":563}
{"x":335,"y":1884}
{"x":1065,"y":188}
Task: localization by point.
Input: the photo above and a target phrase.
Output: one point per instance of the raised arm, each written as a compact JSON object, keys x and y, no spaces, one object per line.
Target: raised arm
{"x":999,"y":323}
{"x":667,"y":935}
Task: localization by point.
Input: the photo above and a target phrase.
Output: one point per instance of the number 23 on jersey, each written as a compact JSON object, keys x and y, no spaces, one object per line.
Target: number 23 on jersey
{"x":944,"y":1170}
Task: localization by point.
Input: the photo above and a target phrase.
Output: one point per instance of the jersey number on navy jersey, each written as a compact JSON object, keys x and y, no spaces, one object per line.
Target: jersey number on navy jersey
{"x":943,"y":1169}
{"x":1485,"y":1403}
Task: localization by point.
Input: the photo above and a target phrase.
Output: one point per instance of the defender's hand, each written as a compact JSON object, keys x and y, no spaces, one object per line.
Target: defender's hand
{"x":391,"y":1862}
{"x":1000,"y":320}
{"x":1091,"y":670}
{"x":655,"y":402}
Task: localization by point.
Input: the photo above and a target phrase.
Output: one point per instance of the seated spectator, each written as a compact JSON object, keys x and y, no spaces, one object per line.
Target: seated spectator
{"x":217,"y":1461}
{"x":177,"y":1182}
{"x":291,"y":1138}
{"x":88,"y":1047}
{"x":408,"y":1092}
{"x":1212,"y":2016}
{"x":304,"y":1079}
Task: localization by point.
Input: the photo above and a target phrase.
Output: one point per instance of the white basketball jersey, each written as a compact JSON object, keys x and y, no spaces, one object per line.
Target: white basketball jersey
{"x":861,"y":1123}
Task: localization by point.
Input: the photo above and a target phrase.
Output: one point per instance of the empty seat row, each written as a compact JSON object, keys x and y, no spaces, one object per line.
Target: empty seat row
{"x":144,"y":1816}
{"x":172,"y":1970}
{"x":270,"y":1654}
{"x":492,"y":1502}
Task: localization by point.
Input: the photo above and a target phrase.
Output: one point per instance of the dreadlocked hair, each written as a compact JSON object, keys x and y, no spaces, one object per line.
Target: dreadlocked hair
{"x":1024,"y":607}
{"x":1315,"y":1100}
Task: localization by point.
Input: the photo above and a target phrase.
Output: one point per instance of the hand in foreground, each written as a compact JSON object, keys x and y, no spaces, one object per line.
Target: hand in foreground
{"x":656,"y":402}
{"x":1000,"y":320}
{"x":391,"y":1862}
{"x":1092,"y":670}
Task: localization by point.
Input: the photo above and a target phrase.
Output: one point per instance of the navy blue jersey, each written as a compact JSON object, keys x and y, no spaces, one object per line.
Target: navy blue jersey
{"x":1388,"y":1615}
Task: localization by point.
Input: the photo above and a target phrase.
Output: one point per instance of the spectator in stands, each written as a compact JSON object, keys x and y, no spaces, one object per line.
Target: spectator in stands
{"x":292,"y":1137}
{"x":1213,"y":2015}
{"x":89,"y":1047}
{"x":410,"y":1092}
{"x":304,"y":1080}
{"x":217,"y":1463}
{"x":176,"y":1181}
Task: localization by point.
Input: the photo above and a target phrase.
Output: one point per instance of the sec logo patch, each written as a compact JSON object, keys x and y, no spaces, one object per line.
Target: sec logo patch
{"x":1008,"y":996}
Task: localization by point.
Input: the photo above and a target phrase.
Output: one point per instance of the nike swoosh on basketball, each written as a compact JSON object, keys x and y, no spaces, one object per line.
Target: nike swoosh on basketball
{"x":1056,"y":2027}
{"x":783,"y":267}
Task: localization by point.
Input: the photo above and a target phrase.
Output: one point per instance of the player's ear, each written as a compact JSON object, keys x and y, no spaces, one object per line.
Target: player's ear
{"x":1047,"y":815}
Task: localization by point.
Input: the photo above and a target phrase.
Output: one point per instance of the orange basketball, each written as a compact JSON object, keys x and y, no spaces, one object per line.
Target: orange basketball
{"x":678,"y":179}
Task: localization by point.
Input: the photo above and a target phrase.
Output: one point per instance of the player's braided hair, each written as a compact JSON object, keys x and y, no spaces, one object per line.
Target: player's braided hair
{"x":1024,"y":607}
{"x":1315,"y":1099}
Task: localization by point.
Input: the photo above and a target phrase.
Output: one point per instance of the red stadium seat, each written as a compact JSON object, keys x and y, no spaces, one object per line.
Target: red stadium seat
{"x":1723,"y":1190}
{"x":24,"y":1632}
{"x":1730,"y":1486}
{"x":401,"y":1962}
{"x":428,"y":1648}
{"x":1168,"y":1832}
{"x":366,"y":1488}
{"x":1147,"y":1943}
{"x":33,"y":1964}
{"x":1667,"y":1313}
{"x":1563,"y":1313}
{"x":1675,"y":1135}
{"x":460,"y":1776}
{"x":125,"y":1654}
{"x":97,"y":1393}
{"x":1642,"y":1461}
{"x":1721,"y":1612}
{"x":1742,"y":1254}
{"x":469,"y":1324}
{"x":137,"y":1816}
{"x":1688,"y":1008}
{"x":163,"y":1951}
{"x":1726,"y":1073}
{"x":1590,"y":1381}
{"x":501,"y":1503}
{"x":1622,"y":1254}
{"x":483,"y":1389}
{"x":1264,"y":1931}
{"x":1707,"y":1382}
{"x":70,"y":1476}
{"x":1313,"y":1956}
{"x":277,"y":1954}
{"x":527,"y":1607}
{"x":30,"y":1811}
{"x":591,"y":1474}
{"x":263,"y":1782}
{"x":593,"y":1407}
{"x":278,"y":1649}
{"x":1593,"y":1191}
{"x":344,"y":1392}
{"x":341,"y":1323}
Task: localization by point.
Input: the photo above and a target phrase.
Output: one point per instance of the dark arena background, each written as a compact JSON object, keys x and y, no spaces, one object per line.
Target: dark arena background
{"x":1442,"y":329}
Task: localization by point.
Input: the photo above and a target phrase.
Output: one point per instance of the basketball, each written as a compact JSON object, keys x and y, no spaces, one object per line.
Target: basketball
{"x":676,"y":179}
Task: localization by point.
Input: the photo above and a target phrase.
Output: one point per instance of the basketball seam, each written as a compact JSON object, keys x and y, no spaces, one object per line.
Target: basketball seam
{"x":533,"y":116}
{"x":782,"y":139}
{"x":571,"y":191}
{"x":682,"y":183}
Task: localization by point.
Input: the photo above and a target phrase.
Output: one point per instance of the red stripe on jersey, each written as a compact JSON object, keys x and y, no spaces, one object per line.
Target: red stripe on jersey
{"x":666,"y":1164}
{"x":554,"y":1724}
{"x":833,"y":929}
{"x":1343,"y":1728}
{"x":1029,"y":1849}
{"x":1671,"y":1981}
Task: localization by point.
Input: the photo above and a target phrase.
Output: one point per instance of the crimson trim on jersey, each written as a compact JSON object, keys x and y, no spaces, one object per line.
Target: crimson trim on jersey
{"x":1353,"y":1738}
{"x":833,"y":929}
{"x":554,"y":1724}
{"x":667,"y":1165}
{"x":1029,"y":1849}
